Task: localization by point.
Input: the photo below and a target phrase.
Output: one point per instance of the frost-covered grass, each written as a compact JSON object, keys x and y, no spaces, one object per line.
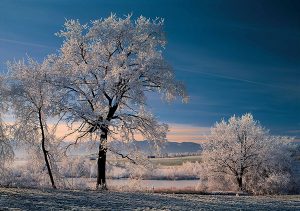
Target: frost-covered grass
{"x":37,"y":199}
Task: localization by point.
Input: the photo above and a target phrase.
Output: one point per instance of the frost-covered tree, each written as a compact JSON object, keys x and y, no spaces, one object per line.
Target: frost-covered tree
{"x":6,"y":149}
{"x":31,"y":102}
{"x":242,"y":149}
{"x":104,"y":71}
{"x":6,"y":152}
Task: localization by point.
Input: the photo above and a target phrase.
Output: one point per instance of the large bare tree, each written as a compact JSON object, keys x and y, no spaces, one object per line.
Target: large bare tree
{"x":104,"y":71}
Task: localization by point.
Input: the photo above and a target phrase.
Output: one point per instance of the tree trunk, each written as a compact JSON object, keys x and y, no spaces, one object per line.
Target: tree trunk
{"x":45,"y":152}
{"x":240,"y":182}
{"x":101,"y":178}
{"x":101,"y":163}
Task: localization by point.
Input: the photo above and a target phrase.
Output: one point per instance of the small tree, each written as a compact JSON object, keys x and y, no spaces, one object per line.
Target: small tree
{"x":241,"y":148}
{"x":31,"y":103}
{"x":6,"y":148}
{"x":104,"y":71}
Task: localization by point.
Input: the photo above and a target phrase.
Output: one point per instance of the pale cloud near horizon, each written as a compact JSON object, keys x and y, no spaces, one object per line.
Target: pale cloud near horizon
{"x":177,"y":133}
{"x":187,"y":133}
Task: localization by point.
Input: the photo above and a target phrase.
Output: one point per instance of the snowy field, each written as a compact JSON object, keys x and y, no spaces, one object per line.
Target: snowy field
{"x":35,"y":199}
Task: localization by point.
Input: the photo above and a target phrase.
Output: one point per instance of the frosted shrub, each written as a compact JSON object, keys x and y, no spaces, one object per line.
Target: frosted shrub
{"x":278,"y":183}
{"x":137,"y":171}
{"x":77,"y":184}
{"x":34,"y":173}
{"x":187,"y":170}
{"x":273,"y":184}
{"x":191,"y":169}
{"x":219,"y":182}
{"x":131,"y":185}
{"x":31,"y":175}
{"x":6,"y":177}
{"x":75,"y":167}
{"x":201,"y":186}
{"x":115,"y":172}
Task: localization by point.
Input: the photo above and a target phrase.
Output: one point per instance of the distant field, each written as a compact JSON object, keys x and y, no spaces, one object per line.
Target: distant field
{"x":36,"y":199}
{"x":173,"y":161}
{"x":176,"y":161}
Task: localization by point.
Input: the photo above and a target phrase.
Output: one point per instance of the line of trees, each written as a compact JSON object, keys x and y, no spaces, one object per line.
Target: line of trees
{"x":96,"y":84}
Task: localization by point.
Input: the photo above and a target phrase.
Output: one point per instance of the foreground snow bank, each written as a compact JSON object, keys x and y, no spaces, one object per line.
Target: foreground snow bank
{"x":37,"y":199}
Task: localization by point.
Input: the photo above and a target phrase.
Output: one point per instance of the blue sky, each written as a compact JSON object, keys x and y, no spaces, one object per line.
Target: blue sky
{"x":234,"y":56}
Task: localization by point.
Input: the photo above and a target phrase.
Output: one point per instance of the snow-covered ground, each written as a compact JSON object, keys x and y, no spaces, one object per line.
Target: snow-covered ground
{"x":36,"y":199}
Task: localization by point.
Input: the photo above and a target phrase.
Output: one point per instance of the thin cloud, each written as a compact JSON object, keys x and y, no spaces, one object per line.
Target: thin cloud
{"x":294,"y":131}
{"x":236,"y":79}
{"x":24,"y":43}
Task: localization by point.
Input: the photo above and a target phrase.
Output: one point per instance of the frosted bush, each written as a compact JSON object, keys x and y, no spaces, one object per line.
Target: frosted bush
{"x":137,"y":171}
{"x":131,"y":185}
{"x":77,"y":184}
{"x":6,"y":177}
{"x":75,"y":167}
{"x":115,"y":172}
{"x":201,"y":186}
{"x":219,"y":182}
{"x":187,"y":170}
{"x":273,"y":184}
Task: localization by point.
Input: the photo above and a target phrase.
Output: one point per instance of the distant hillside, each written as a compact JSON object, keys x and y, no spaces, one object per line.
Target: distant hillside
{"x":145,"y":146}
{"x":171,"y":147}
{"x":175,"y":147}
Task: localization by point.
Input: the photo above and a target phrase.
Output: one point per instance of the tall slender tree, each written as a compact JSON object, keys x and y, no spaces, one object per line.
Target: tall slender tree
{"x":104,"y":71}
{"x":6,"y":148}
{"x":31,"y":103}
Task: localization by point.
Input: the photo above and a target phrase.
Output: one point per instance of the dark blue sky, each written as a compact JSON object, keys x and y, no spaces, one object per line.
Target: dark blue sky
{"x":234,"y":56}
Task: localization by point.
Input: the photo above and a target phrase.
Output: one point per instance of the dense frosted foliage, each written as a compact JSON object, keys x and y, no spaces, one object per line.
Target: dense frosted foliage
{"x":104,"y":70}
{"x":242,"y":151}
